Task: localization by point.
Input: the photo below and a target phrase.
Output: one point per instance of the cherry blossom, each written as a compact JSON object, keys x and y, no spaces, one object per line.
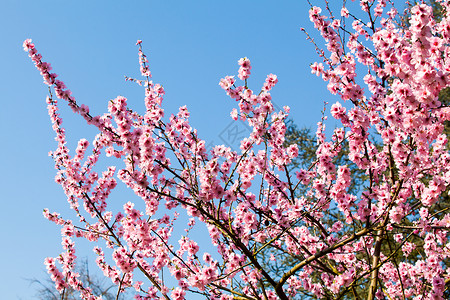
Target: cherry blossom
{"x":278,"y":232}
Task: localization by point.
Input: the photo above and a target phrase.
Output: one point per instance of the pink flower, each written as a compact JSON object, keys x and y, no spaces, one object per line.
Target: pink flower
{"x":244,"y":70}
{"x":234,"y":114}
{"x":227,"y":82}
{"x":28,"y":45}
{"x":178,"y":294}
{"x":344,"y":12}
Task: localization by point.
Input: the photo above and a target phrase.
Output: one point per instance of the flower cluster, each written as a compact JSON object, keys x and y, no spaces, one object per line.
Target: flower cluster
{"x":278,"y":232}
{"x":244,"y":70}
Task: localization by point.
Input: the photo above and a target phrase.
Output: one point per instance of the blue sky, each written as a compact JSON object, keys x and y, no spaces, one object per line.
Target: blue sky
{"x":91,"y":46}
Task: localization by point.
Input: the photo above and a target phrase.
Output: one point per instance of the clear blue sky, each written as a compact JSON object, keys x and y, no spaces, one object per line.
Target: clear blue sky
{"x":91,"y":45}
